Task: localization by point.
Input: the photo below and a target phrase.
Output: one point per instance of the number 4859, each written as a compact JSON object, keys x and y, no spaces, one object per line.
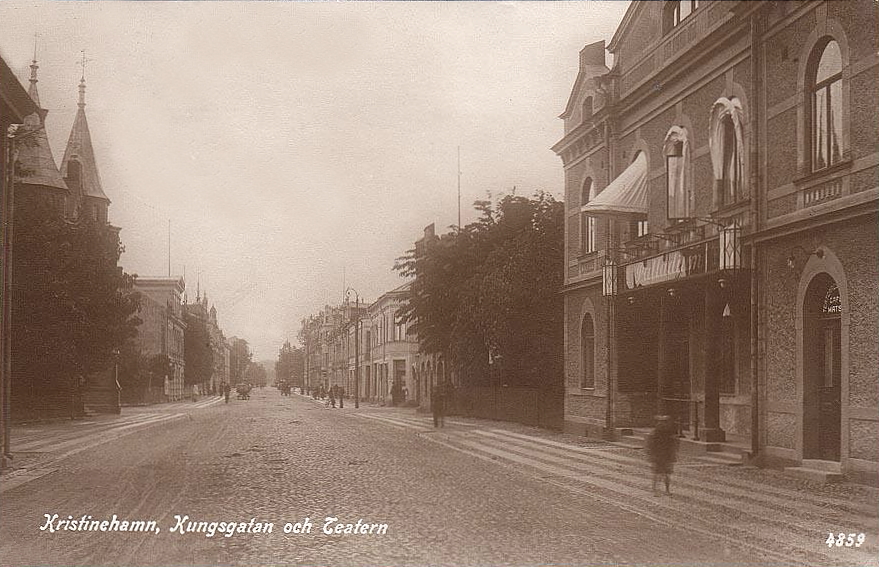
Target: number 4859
{"x":847,"y":540}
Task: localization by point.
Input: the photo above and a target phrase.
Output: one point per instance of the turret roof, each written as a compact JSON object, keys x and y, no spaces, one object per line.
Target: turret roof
{"x":79,"y":147}
{"x":36,"y":163}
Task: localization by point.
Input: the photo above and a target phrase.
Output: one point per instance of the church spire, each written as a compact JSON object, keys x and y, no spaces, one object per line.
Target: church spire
{"x":79,"y":167}
{"x":81,"y":102}
{"x":32,"y":89}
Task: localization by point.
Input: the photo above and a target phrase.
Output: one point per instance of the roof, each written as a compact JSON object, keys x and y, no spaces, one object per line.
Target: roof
{"x":591,"y":66}
{"x":626,"y":195}
{"x":623,"y":28}
{"x":13,"y":95}
{"x":36,"y":162}
{"x":79,"y":147}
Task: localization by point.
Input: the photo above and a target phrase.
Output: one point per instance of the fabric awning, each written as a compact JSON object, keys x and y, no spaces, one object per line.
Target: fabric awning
{"x":626,"y":195}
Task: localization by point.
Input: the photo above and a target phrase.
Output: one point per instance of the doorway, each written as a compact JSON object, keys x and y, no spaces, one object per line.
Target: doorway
{"x":822,"y":376}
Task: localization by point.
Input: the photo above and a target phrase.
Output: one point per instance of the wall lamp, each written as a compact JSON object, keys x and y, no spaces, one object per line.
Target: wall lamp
{"x":792,"y":260}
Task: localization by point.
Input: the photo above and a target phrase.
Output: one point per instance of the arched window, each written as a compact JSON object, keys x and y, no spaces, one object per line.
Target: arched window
{"x":677,"y":158}
{"x":826,"y":111}
{"x":587,"y":222}
{"x":587,"y":345}
{"x":676,"y":11}
{"x":725,"y":141}
{"x":587,"y":108}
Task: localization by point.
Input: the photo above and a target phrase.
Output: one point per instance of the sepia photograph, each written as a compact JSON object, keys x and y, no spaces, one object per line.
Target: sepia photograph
{"x":439,"y":283}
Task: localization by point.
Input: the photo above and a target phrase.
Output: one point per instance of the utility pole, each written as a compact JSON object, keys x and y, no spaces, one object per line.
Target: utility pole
{"x":459,"y":188}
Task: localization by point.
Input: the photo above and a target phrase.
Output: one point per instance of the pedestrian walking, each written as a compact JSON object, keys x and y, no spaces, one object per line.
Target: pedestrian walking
{"x":226,"y":389}
{"x":341,"y":392}
{"x":437,"y":404}
{"x":332,"y":397}
{"x":662,"y":448}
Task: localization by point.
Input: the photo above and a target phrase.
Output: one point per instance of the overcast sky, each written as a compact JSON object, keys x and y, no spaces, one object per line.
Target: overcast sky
{"x":289,"y":143}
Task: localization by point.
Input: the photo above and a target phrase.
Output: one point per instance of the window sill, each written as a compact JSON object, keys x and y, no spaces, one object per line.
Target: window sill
{"x":816,"y":177}
{"x":729,"y":210}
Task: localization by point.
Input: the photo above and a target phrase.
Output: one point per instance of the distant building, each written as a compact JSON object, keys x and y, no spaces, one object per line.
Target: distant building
{"x":163,"y":328}
{"x":207,"y":313}
{"x":393,"y":349}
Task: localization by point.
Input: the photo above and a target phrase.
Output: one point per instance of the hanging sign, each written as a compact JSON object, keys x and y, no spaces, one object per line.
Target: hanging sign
{"x":669,"y":266}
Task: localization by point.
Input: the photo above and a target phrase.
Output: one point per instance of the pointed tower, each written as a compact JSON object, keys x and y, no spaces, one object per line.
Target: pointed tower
{"x":37,"y":175}
{"x":80,"y":170}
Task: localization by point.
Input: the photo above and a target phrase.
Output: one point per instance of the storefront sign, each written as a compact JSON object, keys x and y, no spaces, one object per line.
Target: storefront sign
{"x":669,"y":266}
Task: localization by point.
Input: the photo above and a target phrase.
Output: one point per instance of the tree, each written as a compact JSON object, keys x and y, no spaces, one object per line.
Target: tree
{"x":490,"y":291}
{"x":72,"y":305}
{"x":239,"y":359}
{"x":256,"y":375}
{"x":197,"y":353}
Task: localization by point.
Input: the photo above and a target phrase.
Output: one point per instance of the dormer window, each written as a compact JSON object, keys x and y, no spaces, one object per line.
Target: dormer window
{"x":676,"y":11}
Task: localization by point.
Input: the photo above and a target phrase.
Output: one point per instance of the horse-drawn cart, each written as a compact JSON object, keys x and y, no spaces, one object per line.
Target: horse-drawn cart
{"x":243,"y":391}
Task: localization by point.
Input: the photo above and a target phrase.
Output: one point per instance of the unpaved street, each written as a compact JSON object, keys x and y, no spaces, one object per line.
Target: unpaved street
{"x":473,"y":493}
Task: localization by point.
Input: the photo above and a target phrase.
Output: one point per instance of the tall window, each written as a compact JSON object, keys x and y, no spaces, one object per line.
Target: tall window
{"x":677,"y":156}
{"x":587,"y":344}
{"x":587,"y":222}
{"x":827,"y":108}
{"x":725,"y":141}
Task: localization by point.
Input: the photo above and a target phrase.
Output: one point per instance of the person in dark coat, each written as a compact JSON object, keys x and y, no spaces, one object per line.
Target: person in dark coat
{"x":662,"y":449}
{"x":437,"y":404}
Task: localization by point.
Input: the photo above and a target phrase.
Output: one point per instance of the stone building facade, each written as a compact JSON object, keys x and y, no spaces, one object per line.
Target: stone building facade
{"x":392,"y":351}
{"x":163,"y":327}
{"x":15,"y":106}
{"x":721,"y":250}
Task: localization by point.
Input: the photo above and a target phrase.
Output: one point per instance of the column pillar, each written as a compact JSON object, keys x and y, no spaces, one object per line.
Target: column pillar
{"x":714,"y":304}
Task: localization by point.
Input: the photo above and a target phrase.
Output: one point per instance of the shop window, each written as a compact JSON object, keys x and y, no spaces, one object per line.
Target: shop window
{"x":587,"y":344}
{"x":725,"y":142}
{"x":677,"y":158}
{"x":587,"y":222}
{"x":826,"y":111}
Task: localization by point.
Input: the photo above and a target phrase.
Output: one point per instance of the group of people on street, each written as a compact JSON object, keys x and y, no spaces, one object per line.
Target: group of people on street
{"x":331,"y":395}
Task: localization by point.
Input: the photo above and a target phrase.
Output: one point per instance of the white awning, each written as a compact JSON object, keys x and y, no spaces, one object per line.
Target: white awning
{"x":626,"y":195}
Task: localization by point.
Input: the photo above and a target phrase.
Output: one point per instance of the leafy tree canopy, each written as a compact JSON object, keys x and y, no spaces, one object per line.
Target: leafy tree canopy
{"x":491,"y":290}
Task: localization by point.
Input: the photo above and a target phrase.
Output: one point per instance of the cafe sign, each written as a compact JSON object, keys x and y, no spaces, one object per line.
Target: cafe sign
{"x":670,"y":266}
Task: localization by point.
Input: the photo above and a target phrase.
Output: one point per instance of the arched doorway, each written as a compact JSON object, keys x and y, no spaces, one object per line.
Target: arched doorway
{"x":822,"y":375}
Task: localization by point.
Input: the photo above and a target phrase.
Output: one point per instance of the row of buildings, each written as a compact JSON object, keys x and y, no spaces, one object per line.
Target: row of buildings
{"x":164,"y":313}
{"x":369,"y":337}
{"x":721,"y":187}
{"x":371,"y":340}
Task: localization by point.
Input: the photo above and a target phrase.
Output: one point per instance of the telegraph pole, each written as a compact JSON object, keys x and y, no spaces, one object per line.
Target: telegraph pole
{"x":459,"y":188}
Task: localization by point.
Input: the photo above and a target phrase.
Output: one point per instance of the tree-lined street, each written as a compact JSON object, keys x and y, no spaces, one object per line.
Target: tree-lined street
{"x":473,"y":493}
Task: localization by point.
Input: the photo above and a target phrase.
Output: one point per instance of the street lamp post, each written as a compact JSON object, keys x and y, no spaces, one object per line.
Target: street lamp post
{"x":118,"y":408}
{"x":609,"y":290}
{"x":348,"y":292}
